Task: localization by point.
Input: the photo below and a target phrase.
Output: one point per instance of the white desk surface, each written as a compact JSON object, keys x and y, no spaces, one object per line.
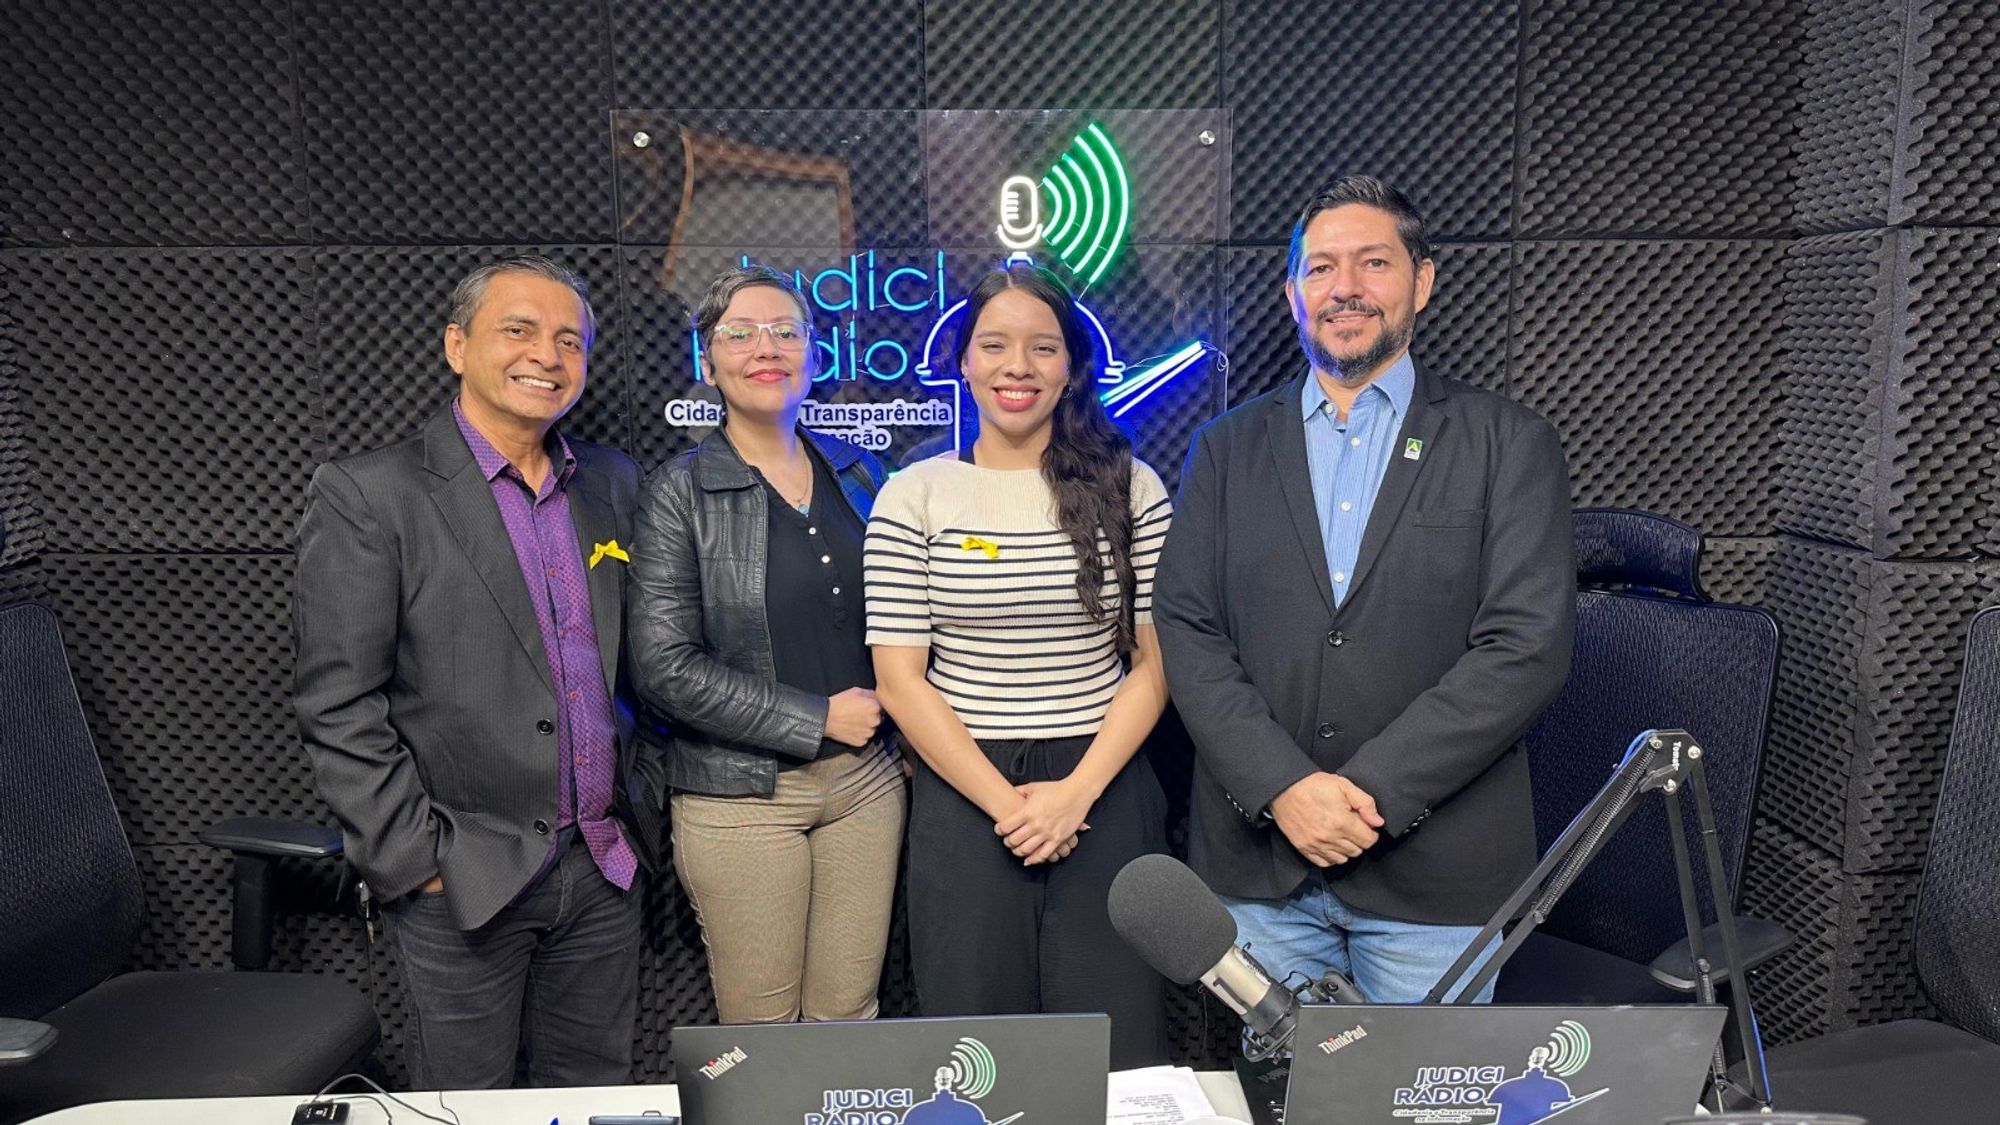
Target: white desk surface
{"x":570,"y":1106}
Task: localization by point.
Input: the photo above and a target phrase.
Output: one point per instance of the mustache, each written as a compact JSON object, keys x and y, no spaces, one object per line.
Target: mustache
{"x":1332,"y":309}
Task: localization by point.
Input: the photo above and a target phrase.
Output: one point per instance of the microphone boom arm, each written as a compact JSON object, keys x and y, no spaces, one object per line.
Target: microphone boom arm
{"x":1666,"y":762}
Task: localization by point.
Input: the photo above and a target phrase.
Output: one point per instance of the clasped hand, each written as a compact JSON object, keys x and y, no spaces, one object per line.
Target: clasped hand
{"x":1328,"y":818}
{"x":1045,"y":825}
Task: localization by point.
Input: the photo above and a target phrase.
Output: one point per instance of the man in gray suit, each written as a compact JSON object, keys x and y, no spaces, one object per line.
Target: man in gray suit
{"x":458,"y":622}
{"x":1365,"y":599}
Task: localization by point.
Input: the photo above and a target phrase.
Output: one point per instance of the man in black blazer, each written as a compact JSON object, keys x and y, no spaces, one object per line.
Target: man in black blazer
{"x":459,"y":687}
{"x":1364,"y":601}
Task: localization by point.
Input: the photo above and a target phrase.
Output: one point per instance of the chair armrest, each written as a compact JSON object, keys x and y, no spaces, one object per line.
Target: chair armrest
{"x":272,"y":836}
{"x":22,"y":1040}
{"x":1757,"y":940}
{"x":259,"y":842}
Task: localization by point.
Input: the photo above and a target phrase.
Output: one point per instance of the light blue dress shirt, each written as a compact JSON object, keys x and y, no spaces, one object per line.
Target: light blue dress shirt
{"x":1347,"y":460}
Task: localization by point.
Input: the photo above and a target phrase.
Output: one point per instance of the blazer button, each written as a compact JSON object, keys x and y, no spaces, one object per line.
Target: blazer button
{"x":1328,"y":730}
{"x":1336,"y":638}
{"x":546,"y":727}
{"x":541,"y":828}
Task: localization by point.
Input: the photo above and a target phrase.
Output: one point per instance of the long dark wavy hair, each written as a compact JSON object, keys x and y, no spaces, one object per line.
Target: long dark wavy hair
{"x":1088,"y":464}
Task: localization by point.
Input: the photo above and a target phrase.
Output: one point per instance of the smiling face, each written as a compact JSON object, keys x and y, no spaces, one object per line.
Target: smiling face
{"x":760,"y":371}
{"x":1356,"y":293}
{"x":522,"y":360}
{"x":1017,"y":366}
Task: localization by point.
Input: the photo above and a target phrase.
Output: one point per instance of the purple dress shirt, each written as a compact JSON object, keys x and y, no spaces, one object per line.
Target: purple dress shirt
{"x":551,"y":561}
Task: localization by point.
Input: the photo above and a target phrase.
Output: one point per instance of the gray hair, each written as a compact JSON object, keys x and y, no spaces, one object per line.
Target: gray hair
{"x":736,"y":279}
{"x":471,"y":292}
{"x":1410,"y":224}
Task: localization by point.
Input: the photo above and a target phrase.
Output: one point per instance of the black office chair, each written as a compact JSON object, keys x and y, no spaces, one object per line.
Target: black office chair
{"x":1651,"y":651}
{"x":74,"y":1028}
{"x":1935,"y":1072}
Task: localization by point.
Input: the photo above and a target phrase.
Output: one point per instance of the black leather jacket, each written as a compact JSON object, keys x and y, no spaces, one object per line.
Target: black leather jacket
{"x":699,"y":640}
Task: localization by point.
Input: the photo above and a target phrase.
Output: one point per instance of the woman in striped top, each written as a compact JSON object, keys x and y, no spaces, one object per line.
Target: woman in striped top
{"x":1007,"y":593}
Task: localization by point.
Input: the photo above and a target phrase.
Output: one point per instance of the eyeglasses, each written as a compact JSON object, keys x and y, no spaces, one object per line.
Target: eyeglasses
{"x":741,"y":335}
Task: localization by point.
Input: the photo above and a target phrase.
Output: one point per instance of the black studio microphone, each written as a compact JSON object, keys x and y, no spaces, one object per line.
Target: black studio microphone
{"x":1177,"y":925}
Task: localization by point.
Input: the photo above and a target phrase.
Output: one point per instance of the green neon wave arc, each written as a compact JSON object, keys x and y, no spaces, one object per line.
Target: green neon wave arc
{"x":1090,"y":204}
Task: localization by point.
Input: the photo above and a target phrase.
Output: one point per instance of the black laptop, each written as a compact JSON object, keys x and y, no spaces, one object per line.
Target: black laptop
{"x":984,"y":1070}
{"x":1498,"y":1065}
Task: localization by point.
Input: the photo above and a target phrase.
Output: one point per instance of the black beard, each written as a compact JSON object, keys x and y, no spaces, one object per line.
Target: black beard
{"x":1394,"y":338}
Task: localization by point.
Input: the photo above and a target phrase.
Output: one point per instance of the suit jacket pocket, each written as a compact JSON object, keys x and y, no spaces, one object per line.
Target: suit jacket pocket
{"x":1450,"y":517}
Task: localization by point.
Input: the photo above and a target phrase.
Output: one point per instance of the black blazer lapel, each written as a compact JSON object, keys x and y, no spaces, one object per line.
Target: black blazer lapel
{"x":1421,"y":425}
{"x":465,"y":500}
{"x":1287,"y":433}
{"x":596,"y":523}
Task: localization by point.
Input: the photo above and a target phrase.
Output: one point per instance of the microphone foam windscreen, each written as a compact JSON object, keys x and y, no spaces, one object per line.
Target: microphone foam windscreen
{"x":1170,"y":917}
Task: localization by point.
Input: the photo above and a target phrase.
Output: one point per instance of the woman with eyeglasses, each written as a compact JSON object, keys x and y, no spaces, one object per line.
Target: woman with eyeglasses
{"x":1010,"y":614}
{"x":745,"y":619}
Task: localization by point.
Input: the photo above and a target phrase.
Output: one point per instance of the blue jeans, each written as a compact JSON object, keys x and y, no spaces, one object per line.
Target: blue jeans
{"x":1311,"y":931}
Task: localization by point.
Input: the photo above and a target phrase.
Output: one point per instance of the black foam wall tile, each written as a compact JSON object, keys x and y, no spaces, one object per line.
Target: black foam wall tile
{"x":150,"y":124}
{"x":184,"y":666}
{"x":169,"y":391}
{"x":1848,"y":79}
{"x":382,"y":312}
{"x":1943,"y":398}
{"x":1819,"y":595}
{"x":1421,"y":95}
{"x":1659,"y":363}
{"x":1139,"y":54}
{"x":767,"y":54}
{"x":1839,"y":300}
{"x":1668,"y":119}
{"x":1738,"y":571}
{"x":1908,"y":672}
{"x":442,"y":121}
{"x":20,"y":517}
{"x":1948,"y":164}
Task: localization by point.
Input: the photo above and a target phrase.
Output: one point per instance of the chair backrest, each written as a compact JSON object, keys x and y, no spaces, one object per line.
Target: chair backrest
{"x":1958,"y":918}
{"x":70,"y":902}
{"x":1651,"y":651}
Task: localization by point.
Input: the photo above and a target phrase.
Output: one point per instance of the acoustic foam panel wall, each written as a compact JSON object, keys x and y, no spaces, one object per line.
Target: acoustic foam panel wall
{"x":169,"y":392}
{"x":1738,"y":571}
{"x":1838,"y":300}
{"x":150,"y":125}
{"x":1865,"y":696}
{"x":1855,"y":936}
{"x":20,"y":521}
{"x":428,"y":121}
{"x":381,"y":313}
{"x":1462,"y":334}
{"x":767,"y":54}
{"x":1034,"y":54}
{"x":1658,"y":362}
{"x":1422,"y":95}
{"x":184,"y":666}
{"x":1673,"y":118}
{"x":1848,"y":78}
{"x":1909,"y":668}
{"x":1945,"y":403}
{"x":1819,"y":595}
{"x":1949,"y":162}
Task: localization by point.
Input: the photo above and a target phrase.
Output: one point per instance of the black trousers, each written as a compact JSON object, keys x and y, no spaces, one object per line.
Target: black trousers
{"x":557,"y":968}
{"x":991,"y":937}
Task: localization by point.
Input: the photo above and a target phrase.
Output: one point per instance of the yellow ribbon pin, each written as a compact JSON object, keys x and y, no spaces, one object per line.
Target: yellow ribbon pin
{"x":975,"y":543}
{"x":608,"y":550}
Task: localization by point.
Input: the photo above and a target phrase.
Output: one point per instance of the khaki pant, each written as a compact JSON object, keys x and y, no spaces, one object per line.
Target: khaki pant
{"x":794,"y":890}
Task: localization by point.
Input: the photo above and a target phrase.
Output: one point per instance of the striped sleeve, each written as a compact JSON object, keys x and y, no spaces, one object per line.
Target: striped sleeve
{"x":895,"y":561}
{"x":1152,"y":511}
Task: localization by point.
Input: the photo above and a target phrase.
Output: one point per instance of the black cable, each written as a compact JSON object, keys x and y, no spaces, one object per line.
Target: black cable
{"x":322,"y":1096}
